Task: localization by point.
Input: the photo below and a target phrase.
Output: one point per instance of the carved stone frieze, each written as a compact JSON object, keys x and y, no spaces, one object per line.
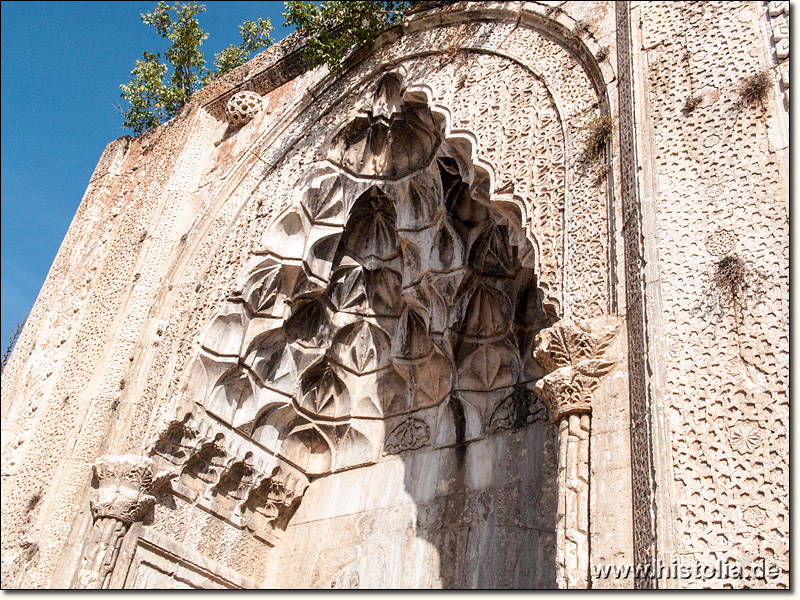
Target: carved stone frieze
{"x":779,"y":24}
{"x":518,"y":410}
{"x":224,"y":472}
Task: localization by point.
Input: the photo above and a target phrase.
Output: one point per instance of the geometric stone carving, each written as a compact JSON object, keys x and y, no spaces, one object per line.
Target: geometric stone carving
{"x":777,"y":7}
{"x":391,"y":286}
{"x":779,"y":24}
{"x":391,"y":307}
{"x":242,"y":108}
{"x":721,"y":242}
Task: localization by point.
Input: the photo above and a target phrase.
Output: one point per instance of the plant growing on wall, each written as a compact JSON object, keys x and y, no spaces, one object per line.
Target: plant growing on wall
{"x":12,"y":341}
{"x":753,"y":90}
{"x":333,"y":29}
{"x":598,"y":135}
{"x":161,"y":86}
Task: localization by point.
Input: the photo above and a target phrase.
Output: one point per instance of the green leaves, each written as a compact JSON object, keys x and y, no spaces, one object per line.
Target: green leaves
{"x":334,"y":29}
{"x":152,"y":99}
{"x":160,"y":88}
{"x":255,"y":37}
{"x":145,"y":92}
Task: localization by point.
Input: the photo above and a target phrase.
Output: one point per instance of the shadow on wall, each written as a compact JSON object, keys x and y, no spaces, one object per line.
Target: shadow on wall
{"x":390,"y":325}
{"x":486,"y":497}
{"x":439,"y":274}
{"x":492,"y":520}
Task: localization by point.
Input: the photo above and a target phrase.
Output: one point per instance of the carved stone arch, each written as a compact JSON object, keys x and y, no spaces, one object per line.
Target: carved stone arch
{"x":289,"y":283}
{"x":520,"y":17}
{"x":309,"y":448}
{"x":232,"y":394}
{"x":344,"y":235}
{"x":272,"y":423}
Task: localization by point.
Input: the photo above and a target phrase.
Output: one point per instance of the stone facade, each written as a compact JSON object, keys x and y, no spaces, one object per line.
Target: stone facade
{"x":502,"y":304}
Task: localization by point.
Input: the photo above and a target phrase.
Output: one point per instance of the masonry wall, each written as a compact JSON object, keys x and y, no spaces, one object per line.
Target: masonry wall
{"x":714,"y":201}
{"x":681,"y":239}
{"x":108,"y":327}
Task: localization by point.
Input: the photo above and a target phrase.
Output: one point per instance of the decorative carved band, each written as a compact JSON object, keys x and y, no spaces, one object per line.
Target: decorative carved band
{"x":220,"y":469}
{"x":636,"y":300}
{"x":779,"y":23}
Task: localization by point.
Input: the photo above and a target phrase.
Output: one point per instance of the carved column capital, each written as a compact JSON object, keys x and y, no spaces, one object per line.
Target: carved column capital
{"x":123,"y":496}
{"x":572,"y":354}
{"x":125,"y":486}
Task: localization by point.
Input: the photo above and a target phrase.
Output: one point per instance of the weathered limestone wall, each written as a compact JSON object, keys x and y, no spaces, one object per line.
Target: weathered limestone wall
{"x":64,"y":383}
{"x":86,"y":372}
{"x":714,"y":196}
{"x":271,"y":354}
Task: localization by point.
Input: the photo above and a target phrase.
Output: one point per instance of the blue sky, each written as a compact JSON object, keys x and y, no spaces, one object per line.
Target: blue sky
{"x":62,"y":64}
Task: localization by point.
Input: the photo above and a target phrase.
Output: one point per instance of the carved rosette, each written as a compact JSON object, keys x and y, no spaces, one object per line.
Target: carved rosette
{"x":572,"y":353}
{"x":242,"y":108}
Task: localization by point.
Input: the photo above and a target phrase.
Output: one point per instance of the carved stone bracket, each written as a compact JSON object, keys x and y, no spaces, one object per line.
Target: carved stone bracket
{"x":222,"y":471}
{"x":572,"y":353}
{"x":123,"y":496}
{"x":125,"y":483}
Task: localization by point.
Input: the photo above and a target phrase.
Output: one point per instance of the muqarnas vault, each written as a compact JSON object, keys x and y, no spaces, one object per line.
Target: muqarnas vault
{"x":501,"y":304}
